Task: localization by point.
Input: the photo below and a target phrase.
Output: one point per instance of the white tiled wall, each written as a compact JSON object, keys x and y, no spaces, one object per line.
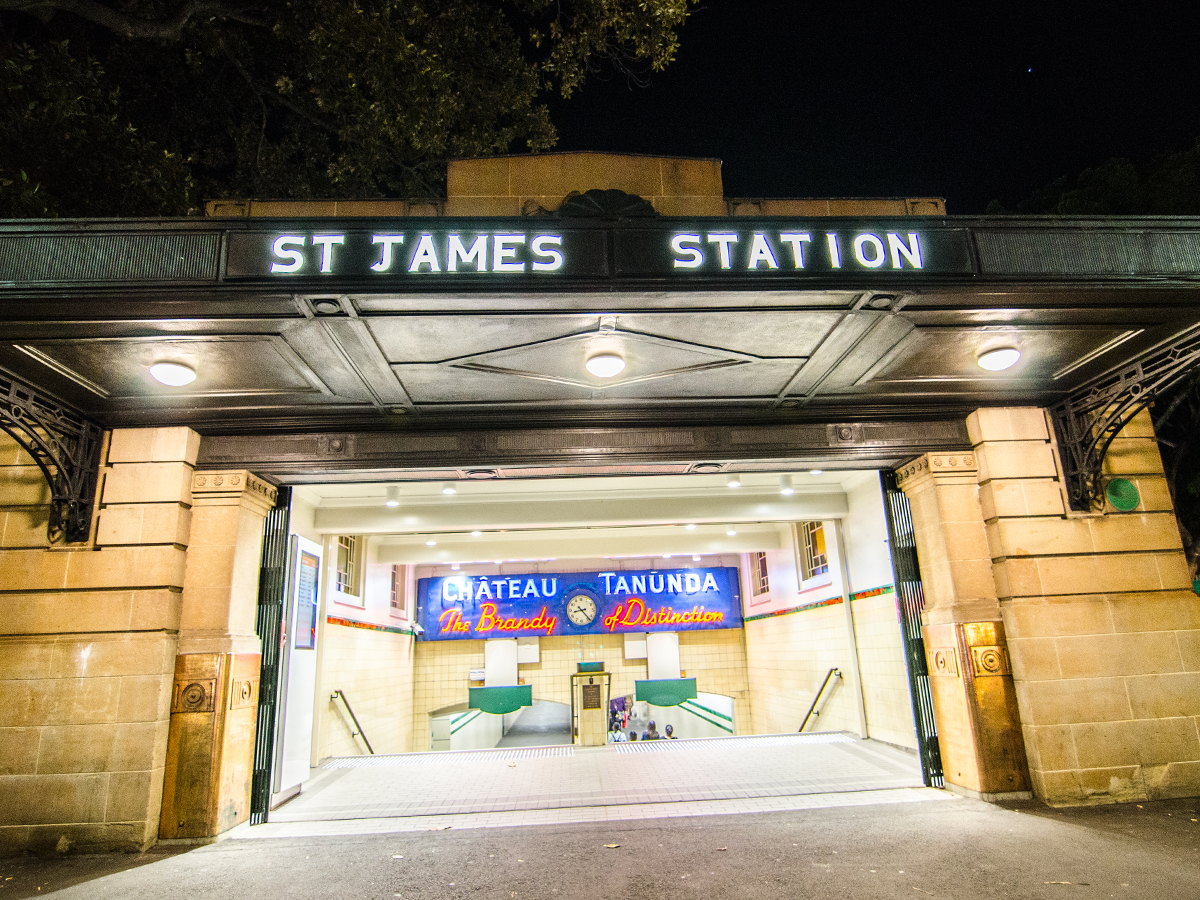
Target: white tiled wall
{"x":375,"y":670}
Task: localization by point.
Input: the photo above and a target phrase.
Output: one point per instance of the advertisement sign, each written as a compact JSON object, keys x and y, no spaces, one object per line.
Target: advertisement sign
{"x":474,"y":607}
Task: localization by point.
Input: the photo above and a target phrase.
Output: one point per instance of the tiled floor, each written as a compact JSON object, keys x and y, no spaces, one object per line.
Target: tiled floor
{"x":625,"y":781}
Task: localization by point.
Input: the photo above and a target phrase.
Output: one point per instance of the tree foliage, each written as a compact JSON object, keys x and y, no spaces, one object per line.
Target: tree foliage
{"x":1168,"y":185}
{"x":142,"y":107}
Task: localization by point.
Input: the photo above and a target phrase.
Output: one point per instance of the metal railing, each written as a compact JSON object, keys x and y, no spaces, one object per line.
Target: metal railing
{"x":812,"y":710}
{"x":332,"y":698}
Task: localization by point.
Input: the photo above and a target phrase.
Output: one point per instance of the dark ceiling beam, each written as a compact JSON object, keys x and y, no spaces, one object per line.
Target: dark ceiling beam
{"x":545,"y":452}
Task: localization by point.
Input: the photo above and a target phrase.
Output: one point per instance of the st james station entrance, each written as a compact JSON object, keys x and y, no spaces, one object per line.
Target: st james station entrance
{"x":206,"y":421}
{"x":463,"y":628}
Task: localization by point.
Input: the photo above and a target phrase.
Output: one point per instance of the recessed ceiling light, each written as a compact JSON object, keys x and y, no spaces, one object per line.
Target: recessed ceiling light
{"x":999,"y":360}
{"x":172,"y":374}
{"x":476,"y":533}
{"x":605,"y":365}
{"x":731,"y":533}
{"x":695,"y":557}
{"x":431,"y":543}
{"x":734,"y":482}
{"x":393,"y":496}
{"x":785,"y":485}
{"x":690,"y":526}
{"x":816,"y":471}
{"x":666,"y":556}
{"x":449,"y":488}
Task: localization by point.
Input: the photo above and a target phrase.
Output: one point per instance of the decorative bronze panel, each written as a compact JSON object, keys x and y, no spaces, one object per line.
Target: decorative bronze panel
{"x":945,"y":662}
{"x":194,"y":696}
{"x":591,"y":697}
{"x":243,"y":692}
{"x":990,"y":661}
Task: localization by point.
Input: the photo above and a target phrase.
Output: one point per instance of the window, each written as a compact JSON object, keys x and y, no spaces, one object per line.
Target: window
{"x":397,"y":599}
{"x":347,"y":564}
{"x":758,"y":568}
{"x":814,"y":560}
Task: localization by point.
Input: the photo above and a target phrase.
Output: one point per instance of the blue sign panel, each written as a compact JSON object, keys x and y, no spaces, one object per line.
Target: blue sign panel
{"x":473,"y":607}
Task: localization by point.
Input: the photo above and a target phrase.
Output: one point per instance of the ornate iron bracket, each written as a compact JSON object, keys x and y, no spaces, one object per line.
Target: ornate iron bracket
{"x":65,"y":446}
{"x":1086,"y":422}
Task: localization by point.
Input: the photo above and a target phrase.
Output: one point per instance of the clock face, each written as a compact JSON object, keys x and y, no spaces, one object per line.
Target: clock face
{"x":581,"y":610}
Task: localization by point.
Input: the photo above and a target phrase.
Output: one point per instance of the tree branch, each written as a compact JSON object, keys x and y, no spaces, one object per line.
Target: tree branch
{"x":167,"y":27}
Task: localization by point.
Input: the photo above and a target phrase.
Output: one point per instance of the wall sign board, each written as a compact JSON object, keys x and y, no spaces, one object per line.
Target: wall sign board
{"x":493,"y":253}
{"x":474,"y":607}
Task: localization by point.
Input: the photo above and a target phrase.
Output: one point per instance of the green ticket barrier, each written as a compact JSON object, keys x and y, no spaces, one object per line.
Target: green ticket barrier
{"x":500,"y":700}
{"x":666,"y":691}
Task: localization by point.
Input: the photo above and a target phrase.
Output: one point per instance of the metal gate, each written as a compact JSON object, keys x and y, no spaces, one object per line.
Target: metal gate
{"x":910,"y":598}
{"x":272,"y":587}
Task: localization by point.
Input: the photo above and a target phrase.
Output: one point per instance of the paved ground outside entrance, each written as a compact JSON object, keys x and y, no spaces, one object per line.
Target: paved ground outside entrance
{"x":954,"y":850}
{"x":652,"y":779}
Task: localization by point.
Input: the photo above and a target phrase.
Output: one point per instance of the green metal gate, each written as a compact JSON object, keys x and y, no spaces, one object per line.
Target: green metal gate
{"x":272,"y":588}
{"x":910,"y":598}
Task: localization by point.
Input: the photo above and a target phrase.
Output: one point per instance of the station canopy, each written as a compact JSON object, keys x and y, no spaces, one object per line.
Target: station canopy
{"x":438,"y":344}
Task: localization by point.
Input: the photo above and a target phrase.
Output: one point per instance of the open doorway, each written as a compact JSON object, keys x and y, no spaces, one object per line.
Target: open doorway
{"x":791,"y":578}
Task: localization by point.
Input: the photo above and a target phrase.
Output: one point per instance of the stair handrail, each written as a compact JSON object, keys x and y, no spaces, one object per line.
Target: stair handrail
{"x":817,"y":699}
{"x":360,"y":733}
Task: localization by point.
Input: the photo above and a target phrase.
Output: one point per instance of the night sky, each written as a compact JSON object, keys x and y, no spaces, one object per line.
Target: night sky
{"x":970,"y":101}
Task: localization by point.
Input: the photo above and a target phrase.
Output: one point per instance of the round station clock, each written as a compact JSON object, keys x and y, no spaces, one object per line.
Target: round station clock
{"x":581,"y":609}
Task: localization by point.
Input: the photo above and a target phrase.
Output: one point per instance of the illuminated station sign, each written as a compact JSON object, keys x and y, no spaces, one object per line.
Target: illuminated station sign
{"x":477,"y":251}
{"x":472,"y":607}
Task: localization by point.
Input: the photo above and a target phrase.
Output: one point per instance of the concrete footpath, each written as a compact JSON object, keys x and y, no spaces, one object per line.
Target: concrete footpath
{"x":954,"y":849}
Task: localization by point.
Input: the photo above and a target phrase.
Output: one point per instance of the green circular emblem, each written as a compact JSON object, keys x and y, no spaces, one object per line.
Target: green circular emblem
{"x":1122,"y":494}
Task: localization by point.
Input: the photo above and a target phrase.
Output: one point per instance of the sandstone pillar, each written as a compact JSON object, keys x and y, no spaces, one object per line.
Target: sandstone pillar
{"x":210,"y":750}
{"x":973,"y":693}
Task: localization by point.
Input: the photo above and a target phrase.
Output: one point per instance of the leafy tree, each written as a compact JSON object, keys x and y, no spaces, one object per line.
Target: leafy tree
{"x":1168,"y":185}
{"x":138,"y":107}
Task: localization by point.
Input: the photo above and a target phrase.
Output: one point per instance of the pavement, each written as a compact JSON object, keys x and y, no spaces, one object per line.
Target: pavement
{"x":540,"y":785}
{"x":956,"y":849}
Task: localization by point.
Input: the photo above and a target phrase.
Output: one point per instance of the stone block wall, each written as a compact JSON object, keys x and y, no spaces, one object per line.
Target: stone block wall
{"x":87,"y":647}
{"x":516,"y":185}
{"x":1103,"y":627}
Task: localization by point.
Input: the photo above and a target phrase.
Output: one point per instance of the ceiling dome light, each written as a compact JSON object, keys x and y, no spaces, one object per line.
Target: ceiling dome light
{"x":449,"y":488}
{"x":695,"y":557}
{"x":734,"y":482}
{"x":431,"y":543}
{"x":393,"y":496}
{"x":731,"y":533}
{"x":785,"y":485}
{"x":172,"y":374}
{"x":999,"y":360}
{"x":605,"y":365}
{"x":454,"y":567}
{"x":690,"y":526}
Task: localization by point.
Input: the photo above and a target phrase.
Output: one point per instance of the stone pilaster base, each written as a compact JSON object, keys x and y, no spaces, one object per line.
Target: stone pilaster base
{"x":210,"y":746}
{"x":979,"y":728}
